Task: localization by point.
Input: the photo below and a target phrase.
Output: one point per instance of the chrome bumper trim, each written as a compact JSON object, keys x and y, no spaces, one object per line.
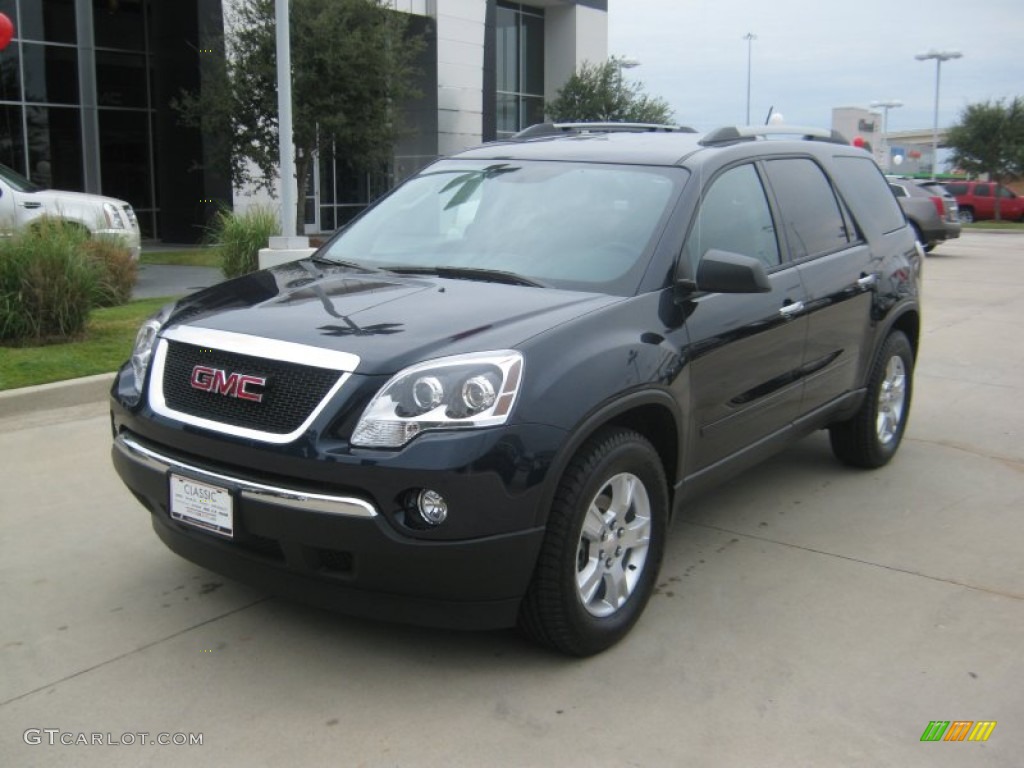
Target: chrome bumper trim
{"x":345,"y":506}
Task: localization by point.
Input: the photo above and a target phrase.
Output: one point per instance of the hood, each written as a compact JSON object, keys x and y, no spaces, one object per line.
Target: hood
{"x":80,"y":206}
{"x":57,"y":196}
{"x":389,"y":321}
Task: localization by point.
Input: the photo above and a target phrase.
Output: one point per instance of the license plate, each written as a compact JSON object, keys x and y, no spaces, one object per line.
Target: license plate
{"x":205,"y":506}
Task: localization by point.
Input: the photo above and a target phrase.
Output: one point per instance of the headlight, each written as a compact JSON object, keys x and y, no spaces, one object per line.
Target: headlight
{"x":113,"y":215}
{"x":144,"y":342}
{"x":459,"y":392}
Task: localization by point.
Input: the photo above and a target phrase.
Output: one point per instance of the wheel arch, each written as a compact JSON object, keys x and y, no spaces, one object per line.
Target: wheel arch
{"x":909,"y":323}
{"x":653,"y":414}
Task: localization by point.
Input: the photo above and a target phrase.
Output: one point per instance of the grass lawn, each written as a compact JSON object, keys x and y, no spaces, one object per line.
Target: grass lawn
{"x":108,"y":342}
{"x":183,"y":257}
{"x":1007,"y":225}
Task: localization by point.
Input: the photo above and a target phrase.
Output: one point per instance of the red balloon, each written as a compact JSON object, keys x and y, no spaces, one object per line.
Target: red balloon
{"x":6,"y":31}
{"x":859,"y":142}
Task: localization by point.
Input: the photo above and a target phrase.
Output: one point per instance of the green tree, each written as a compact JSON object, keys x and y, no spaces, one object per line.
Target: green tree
{"x":353,"y":65}
{"x":598,"y":92}
{"x":989,"y":138}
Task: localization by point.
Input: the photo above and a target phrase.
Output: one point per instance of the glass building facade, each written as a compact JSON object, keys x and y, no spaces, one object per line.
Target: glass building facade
{"x":519,"y":50}
{"x":85,"y":94}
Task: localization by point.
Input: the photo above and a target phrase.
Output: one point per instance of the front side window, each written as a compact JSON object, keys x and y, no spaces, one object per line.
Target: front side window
{"x":734,"y":216}
{"x":577,"y":226}
{"x":812,"y":219}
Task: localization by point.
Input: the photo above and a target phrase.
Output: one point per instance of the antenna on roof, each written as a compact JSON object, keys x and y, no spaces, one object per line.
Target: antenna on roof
{"x":768,"y":117}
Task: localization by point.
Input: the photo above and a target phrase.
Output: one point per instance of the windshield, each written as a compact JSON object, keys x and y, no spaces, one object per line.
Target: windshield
{"x":16,"y":180}
{"x":571,"y":225}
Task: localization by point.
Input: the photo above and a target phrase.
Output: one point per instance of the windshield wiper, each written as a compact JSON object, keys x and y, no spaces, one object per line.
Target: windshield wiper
{"x":342,"y":263}
{"x":470,"y":273}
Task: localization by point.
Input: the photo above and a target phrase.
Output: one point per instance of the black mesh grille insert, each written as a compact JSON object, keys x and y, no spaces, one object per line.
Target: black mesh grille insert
{"x":335,"y":560}
{"x":290,"y":394}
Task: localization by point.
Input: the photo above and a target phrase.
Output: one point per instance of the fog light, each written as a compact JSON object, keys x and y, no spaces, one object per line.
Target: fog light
{"x":432,"y":507}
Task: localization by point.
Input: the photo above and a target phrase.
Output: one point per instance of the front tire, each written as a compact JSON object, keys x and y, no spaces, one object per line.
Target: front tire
{"x":871,"y":437}
{"x":603,"y":547}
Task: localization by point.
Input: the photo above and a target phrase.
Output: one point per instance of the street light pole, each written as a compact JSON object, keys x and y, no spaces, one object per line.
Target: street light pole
{"x":750,"y":37}
{"x":886,"y":106}
{"x":939,"y":56}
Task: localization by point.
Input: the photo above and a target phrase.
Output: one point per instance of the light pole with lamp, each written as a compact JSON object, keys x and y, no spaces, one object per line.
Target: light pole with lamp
{"x":750,"y":37}
{"x":886,"y":106}
{"x":939,"y":56}
{"x":623,"y":62}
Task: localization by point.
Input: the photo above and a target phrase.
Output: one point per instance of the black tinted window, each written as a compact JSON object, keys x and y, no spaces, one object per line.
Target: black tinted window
{"x":734,"y":216}
{"x":957,"y":189}
{"x":866,"y":184}
{"x":812,"y":219}
{"x":982,"y":190}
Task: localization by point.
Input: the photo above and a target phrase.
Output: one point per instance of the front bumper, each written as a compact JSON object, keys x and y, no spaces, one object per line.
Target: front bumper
{"x":339,"y":551}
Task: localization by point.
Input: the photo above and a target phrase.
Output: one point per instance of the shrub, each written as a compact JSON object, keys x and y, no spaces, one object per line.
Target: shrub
{"x":47,"y":283}
{"x":117,"y":272}
{"x":240,"y":237}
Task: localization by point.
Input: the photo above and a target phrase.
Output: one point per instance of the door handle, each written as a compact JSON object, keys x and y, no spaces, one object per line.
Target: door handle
{"x":31,"y":206}
{"x":792,"y":310}
{"x":868,"y":281}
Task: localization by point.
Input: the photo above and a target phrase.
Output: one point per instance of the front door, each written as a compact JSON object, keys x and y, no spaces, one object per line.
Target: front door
{"x":745,"y":350}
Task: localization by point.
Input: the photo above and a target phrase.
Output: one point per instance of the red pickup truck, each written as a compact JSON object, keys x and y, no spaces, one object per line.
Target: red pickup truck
{"x":977,"y":201}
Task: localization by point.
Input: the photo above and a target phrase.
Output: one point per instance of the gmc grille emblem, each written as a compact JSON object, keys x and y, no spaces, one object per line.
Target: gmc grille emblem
{"x":238,"y":385}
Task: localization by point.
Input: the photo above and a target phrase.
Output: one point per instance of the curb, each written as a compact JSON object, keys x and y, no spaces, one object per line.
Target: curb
{"x":59,"y":394}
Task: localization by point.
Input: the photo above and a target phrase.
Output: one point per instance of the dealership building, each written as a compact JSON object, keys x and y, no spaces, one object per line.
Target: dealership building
{"x":86,"y":88}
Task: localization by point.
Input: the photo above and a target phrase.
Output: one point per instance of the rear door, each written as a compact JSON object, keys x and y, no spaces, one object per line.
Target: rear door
{"x":835,"y":265}
{"x":746,"y":349}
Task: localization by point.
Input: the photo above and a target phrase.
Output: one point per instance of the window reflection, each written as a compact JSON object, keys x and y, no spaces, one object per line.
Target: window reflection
{"x":12,"y":143}
{"x":50,"y":20}
{"x":121,"y":79}
{"x":119,"y":24}
{"x":51,"y":73}
{"x":55,"y":147}
{"x":520,"y":67}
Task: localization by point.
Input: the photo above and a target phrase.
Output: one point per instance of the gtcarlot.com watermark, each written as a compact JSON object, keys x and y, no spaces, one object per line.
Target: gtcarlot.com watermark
{"x":58,"y":737}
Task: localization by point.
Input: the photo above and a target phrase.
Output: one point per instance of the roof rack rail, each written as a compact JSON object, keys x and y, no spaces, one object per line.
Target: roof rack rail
{"x":556,"y":129}
{"x":730,"y":134}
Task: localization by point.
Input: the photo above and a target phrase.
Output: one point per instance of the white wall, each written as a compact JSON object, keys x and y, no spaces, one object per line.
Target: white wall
{"x":460,"y":74}
{"x":573,"y":35}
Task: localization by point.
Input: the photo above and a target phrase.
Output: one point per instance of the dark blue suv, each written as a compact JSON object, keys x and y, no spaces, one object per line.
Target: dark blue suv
{"x":480,"y":404}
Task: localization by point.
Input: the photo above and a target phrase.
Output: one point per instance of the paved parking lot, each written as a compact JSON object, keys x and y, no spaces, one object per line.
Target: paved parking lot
{"x":808,"y":614}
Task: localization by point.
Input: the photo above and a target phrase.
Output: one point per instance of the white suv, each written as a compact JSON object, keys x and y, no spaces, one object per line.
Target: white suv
{"x":22,"y":202}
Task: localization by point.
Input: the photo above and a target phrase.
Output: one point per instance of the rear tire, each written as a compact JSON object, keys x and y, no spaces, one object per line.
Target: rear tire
{"x":966,"y":216}
{"x":603,"y":547}
{"x":870,"y":439}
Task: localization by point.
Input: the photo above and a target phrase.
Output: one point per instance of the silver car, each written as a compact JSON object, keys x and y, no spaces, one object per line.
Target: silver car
{"x":22,"y":202}
{"x":929,"y":208}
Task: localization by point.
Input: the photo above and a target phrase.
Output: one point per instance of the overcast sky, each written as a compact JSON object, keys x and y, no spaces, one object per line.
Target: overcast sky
{"x":813,"y":55}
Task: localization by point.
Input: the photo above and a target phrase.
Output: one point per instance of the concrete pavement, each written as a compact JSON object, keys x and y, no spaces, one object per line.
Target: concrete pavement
{"x":807,"y":615}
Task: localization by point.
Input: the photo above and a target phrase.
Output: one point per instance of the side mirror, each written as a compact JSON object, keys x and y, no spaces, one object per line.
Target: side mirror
{"x":727,"y":272}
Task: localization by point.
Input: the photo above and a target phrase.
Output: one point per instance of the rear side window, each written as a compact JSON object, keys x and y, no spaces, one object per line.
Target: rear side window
{"x":982,"y":190}
{"x":957,"y":189}
{"x":811,"y":215}
{"x":868,"y":185}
